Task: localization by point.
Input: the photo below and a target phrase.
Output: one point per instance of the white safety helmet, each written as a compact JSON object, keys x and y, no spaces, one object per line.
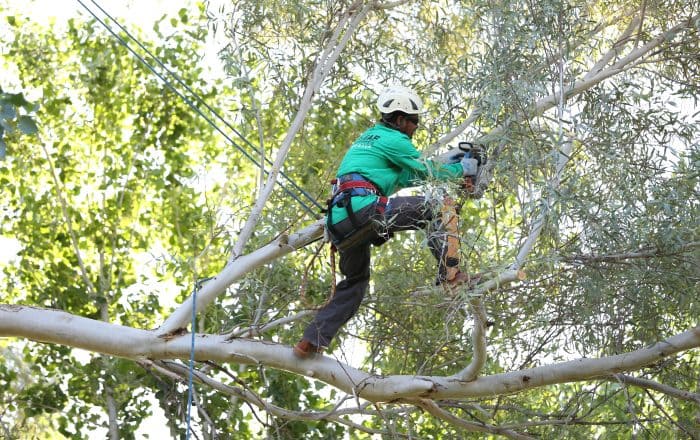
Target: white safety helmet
{"x":399,"y":98}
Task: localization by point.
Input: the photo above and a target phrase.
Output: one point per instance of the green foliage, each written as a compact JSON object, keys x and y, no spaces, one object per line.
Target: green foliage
{"x":113,"y":176}
{"x":15,"y":118}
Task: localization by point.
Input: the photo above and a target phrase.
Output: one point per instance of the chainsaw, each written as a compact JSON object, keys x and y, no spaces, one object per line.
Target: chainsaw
{"x":470,"y":150}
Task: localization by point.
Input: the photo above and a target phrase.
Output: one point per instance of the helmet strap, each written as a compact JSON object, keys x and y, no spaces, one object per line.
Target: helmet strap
{"x":389,"y":119}
{"x":389,"y":123}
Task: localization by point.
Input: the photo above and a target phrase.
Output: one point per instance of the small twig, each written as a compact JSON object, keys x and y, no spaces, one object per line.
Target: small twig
{"x":434,"y":409}
{"x":656,"y":386}
{"x":202,"y":412}
{"x":305,"y":276}
{"x":633,"y":413}
{"x":257,"y":331}
{"x":663,"y":411}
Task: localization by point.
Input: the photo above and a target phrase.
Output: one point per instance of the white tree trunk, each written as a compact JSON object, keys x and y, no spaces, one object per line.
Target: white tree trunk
{"x":59,"y":327}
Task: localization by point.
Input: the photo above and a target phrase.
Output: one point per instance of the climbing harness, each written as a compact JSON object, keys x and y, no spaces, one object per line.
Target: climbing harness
{"x":345,"y":188}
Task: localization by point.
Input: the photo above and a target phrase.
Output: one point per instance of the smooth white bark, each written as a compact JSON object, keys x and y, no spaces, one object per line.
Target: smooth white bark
{"x":59,"y":327}
{"x":478,"y":360}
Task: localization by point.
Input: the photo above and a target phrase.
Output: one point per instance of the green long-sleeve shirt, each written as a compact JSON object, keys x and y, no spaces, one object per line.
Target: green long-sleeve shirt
{"x":389,"y":159}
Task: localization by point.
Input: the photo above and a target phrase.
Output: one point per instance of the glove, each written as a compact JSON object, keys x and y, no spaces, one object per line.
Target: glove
{"x":477,"y":151}
{"x":470,"y":166}
{"x":456,"y":158}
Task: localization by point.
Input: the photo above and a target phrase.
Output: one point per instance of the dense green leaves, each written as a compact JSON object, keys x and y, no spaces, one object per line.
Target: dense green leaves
{"x":107,"y":182}
{"x":14,"y":118}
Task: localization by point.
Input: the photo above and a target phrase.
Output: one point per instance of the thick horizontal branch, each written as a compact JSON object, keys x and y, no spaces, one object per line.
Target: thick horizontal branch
{"x":53,"y":326}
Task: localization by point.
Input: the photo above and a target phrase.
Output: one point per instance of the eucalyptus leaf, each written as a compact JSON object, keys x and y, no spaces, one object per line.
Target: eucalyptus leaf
{"x":7,"y":111}
{"x":27,"y":125}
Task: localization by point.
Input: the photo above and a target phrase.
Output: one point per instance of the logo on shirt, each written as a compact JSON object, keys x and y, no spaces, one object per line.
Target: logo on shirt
{"x":366,"y":141}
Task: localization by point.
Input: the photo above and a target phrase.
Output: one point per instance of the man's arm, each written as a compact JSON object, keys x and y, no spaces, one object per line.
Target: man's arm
{"x":405,"y":156}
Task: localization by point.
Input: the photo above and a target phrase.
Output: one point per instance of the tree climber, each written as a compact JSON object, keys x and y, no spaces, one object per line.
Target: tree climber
{"x":379,"y":163}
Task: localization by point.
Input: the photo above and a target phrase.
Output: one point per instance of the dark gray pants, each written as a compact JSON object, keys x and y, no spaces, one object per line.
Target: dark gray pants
{"x":402,"y":214}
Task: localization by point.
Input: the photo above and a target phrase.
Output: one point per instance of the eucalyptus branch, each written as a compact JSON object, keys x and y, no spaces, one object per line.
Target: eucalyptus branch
{"x":434,"y":409}
{"x":59,"y":327}
{"x":69,"y":224}
{"x":615,"y":50}
{"x":200,"y":408}
{"x":471,"y":371}
{"x":113,"y":426}
{"x":630,"y":407}
{"x":564,"y":154}
{"x":326,"y":60}
{"x":180,"y":372}
{"x":640,"y":254}
{"x":478,"y":361}
{"x":656,"y":386}
{"x":667,"y":415}
{"x":577,"y":87}
{"x":572,"y":421}
{"x":259,"y":330}
{"x":476,"y":112}
{"x":232,"y":272}
{"x":284,"y":244}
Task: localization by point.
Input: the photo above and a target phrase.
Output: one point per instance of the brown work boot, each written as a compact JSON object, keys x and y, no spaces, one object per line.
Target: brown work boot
{"x":305,"y":348}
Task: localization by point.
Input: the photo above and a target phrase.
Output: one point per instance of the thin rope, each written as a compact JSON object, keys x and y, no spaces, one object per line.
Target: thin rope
{"x":191,"y":367}
{"x":195,"y":108}
{"x":202,"y":101}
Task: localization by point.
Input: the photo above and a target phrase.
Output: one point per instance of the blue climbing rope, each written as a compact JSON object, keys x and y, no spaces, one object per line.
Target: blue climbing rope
{"x":191,"y":373}
{"x":190,"y":391}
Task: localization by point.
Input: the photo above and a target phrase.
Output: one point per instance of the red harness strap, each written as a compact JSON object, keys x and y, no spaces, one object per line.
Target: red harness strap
{"x":364,"y":184}
{"x":381,"y":204}
{"x":345,"y":187}
{"x":352,"y":184}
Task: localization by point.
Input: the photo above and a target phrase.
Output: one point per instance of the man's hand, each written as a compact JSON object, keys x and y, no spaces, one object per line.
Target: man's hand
{"x":455,"y":158}
{"x":477,"y":151}
{"x":470,"y":166}
{"x":473,"y":159}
